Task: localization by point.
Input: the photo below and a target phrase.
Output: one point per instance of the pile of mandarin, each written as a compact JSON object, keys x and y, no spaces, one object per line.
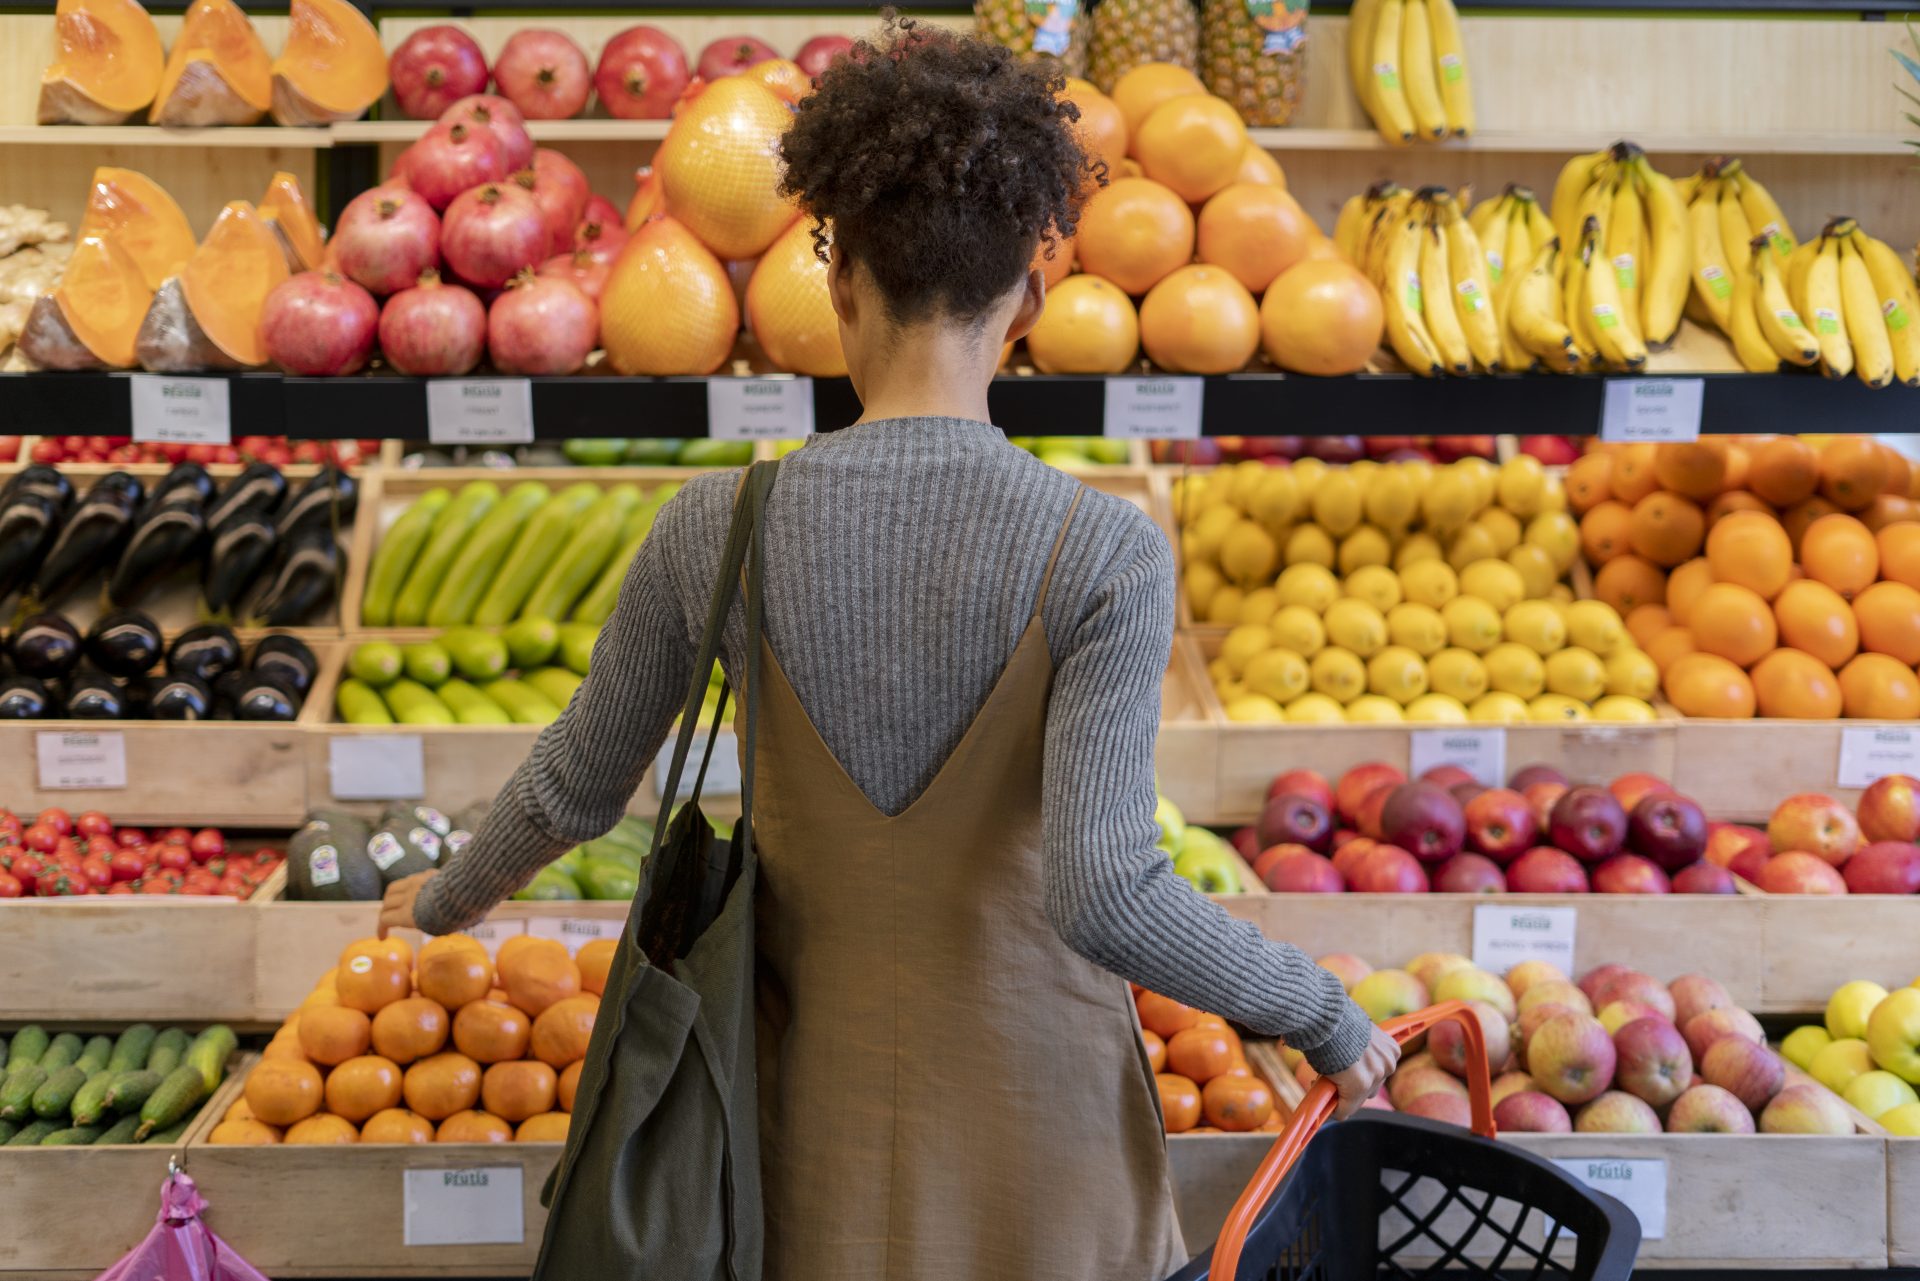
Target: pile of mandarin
{"x":1202,"y":1070}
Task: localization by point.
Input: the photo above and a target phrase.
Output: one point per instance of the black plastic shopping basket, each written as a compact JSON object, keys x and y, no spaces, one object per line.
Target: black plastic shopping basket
{"x":1387,"y":1195}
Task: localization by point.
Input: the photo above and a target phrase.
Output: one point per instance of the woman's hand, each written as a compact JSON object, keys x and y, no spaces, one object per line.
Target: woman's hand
{"x":1356,"y":1084}
{"x":396,"y":909}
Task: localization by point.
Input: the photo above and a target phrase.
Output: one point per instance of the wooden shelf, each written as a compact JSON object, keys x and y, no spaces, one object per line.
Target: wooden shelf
{"x":1570,"y":142}
{"x":542,"y":130}
{"x":260,"y":138}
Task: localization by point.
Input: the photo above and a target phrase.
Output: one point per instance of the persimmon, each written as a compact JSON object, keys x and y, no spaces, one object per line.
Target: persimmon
{"x":1164,"y":1016}
{"x":1200,"y":1053}
{"x":491,"y":1031}
{"x":397,"y":1125}
{"x":321,"y":1127}
{"x":473,"y":1127}
{"x":1179,"y":1102}
{"x":1236,"y":1103}
{"x":515,"y":1091}
{"x":548,"y":1127}
{"x":363,"y":1086}
{"x":442,"y":1085}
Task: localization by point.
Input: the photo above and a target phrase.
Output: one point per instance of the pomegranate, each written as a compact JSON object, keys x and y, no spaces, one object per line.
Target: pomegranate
{"x":544,"y":74}
{"x":319,"y":324}
{"x":491,"y":233}
{"x":385,"y":238}
{"x":433,"y":328}
{"x":641,"y":74}
{"x":542,"y":325}
{"x":816,"y":53}
{"x":582,"y":268}
{"x":560,"y":189}
{"x":500,"y":118}
{"x":433,"y":68}
{"x":451,"y":159}
{"x":730,"y":55}
{"x":602,"y":240}
{"x":600,"y":209}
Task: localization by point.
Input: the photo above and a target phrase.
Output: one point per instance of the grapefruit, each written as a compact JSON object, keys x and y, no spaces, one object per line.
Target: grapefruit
{"x":789,"y":309}
{"x":1200,"y":320}
{"x":1321,"y":317}
{"x":719,"y":166}
{"x":1134,"y":231}
{"x":1193,"y":144}
{"x":1148,"y":85}
{"x":1258,"y":165}
{"x":1255,"y":231}
{"x":668,"y":307}
{"x":1088,"y":327}
{"x":1102,"y":129}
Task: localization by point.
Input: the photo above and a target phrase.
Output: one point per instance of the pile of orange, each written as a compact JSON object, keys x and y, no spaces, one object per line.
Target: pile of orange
{"x":453,"y":1046}
{"x":1202,"y":1070}
{"x":1764,"y":576}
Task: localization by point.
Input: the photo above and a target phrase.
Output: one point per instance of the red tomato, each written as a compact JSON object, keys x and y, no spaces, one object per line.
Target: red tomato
{"x":47,"y":450}
{"x":202,"y":454}
{"x":10,"y":886}
{"x":121,"y":887}
{"x":207,"y":843}
{"x":9,"y":822}
{"x":97,"y":871}
{"x":174,"y":856}
{"x":130,"y":837}
{"x":59,"y":820}
{"x":235,"y":886}
{"x":40,"y":838}
{"x":158,"y":885}
{"x":66,"y":845}
{"x":63,"y":883}
{"x":127,"y":866}
{"x":172,"y":835}
{"x":26,"y":868}
{"x":93,"y":823}
{"x":199,"y":889}
{"x":226,"y":454}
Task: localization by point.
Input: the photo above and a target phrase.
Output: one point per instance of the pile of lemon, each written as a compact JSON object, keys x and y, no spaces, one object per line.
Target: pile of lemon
{"x":1401,"y":591}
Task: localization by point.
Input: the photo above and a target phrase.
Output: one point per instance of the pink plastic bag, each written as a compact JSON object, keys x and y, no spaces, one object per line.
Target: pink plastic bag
{"x":181,"y":1247}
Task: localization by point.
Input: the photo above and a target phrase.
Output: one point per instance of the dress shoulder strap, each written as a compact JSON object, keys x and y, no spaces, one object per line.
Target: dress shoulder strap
{"x":1059,"y":541}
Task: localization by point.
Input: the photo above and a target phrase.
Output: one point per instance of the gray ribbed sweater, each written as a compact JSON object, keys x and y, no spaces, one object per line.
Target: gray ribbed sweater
{"x":903,"y":560}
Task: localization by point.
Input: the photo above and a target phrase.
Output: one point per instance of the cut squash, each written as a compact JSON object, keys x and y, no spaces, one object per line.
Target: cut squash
{"x":107,"y":66}
{"x":93,"y":319}
{"x":226,"y":283}
{"x":137,"y":214}
{"x":217,"y":73}
{"x":286,"y":210}
{"x":332,"y":68}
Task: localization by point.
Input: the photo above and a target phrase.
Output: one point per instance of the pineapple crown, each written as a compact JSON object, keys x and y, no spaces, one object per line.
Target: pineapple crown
{"x":1912,"y":68}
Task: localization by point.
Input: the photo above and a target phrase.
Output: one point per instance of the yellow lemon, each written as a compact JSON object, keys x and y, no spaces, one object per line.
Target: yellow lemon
{"x":1536,"y":569}
{"x":1594,"y":625}
{"x":1554,"y":497}
{"x":1503,"y":525}
{"x":1309,"y":545}
{"x":1219,"y":672}
{"x":1202,"y":581}
{"x":1243,"y":479}
{"x":1205,"y":535}
{"x":1449,"y":501}
{"x":1631,"y":673}
{"x":1224,"y":608}
{"x":1312,"y":586}
{"x":1280,"y":674}
{"x":1336,"y":502}
{"x":1391,"y":498}
{"x":1242,"y":645}
{"x":1419,"y":627}
{"x":1470,"y":544}
{"x":1514,"y":669}
{"x":1259,"y":606}
{"x":1549,"y":708}
{"x":1249,"y":554}
{"x":1189,"y":496}
{"x":1481,"y":474}
{"x":1276,"y":499}
{"x":1495,"y":582}
{"x":1366,"y":546}
{"x":1520,"y":485}
{"x":1417,"y":548}
{"x":1337,"y":673}
{"x":1356,"y":625}
{"x":1429,"y":582}
{"x":1557,"y":535}
{"x":1497,"y":709}
{"x":1560,"y":594}
{"x":1299,"y":629}
{"x":1309,"y":472}
{"x":1457,"y":674}
{"x":1537,"y":625}
{"x":1398,"y":673}
{"x":1255,"y":709}
{"x":1619,"y":707}
{"x":1374,"y":709}
{"x":1315,"y":709}
{"x":1437,"y":709}
{"x":1471,"y":623}
{"x":1375,"y":584}
{"x":1577,"y":673}
{"x":1229,"y":690}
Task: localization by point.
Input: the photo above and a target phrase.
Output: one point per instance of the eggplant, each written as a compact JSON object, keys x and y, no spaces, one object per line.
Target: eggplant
{"x":184,"y":479}
{"x":315,"y":504}
{"x":303,"y":582}
{"x":44,"y":479}
{"x":25,"y":698}
{"x":94,"y":536}
{"x":265,"y":696}
{"x":236,"y":557}
{"x":179,"y":696}
{"x":287,"y":657}
{"x":203,"y":652}
{"x":29,"y":524}
{"x":45,"y":645}
{"x":138,"y":692}
{"x":168,"y":539}
{"x":93,"y":696}
{"x":124,"y":643}
{"x":259,"y":488}
{"x":227,"y":688}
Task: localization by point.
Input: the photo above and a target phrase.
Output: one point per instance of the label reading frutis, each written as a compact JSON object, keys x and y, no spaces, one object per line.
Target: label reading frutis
{"x":323,"y":865}
{"x":1053,"y":24}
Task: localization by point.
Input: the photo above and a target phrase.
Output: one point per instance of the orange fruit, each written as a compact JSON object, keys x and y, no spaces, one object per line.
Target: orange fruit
{"x":1586,"y":482}
{"x":284,"y":1047}
{"x":1684,"y":586}
{"x":1752,"y":550}
{"x":1797,"y":519}
{"x":1200,"y":320}
{"x":1237,"y":1103}
{"x":1629,"y":582}
{"x":666,"y":271}
{"x":452,"y":942}
{"x":1783,"y":471}
{"x":491,"y":1031}
{"x":1156,"y":1050}
{"x":397,"y":1125}
{"x":321,"y":995}
{"x":369,"y":983}
{"x":1605,"y":530}
{"x":1840,"y":552}
{"x":1707,"y":685}
{"x":569,"y":1083}
{"x":393,"y":948}
{"x":361,"y":1087}
{"x":1876,"y":687}
{"x":1795,"y":685}
{"x":561,"y":1032}
{"x":1146,"y":86}
{"x":1733,"y":622}
{"x":1899,"y":470}
{"x":515,"y":1091}
{"x":1134,"y":231}
{"x":1852,"y":470}
{"x":1889,"y":509}
{"x":1200,"y":1053}
{"x":1644,"y":622}
{"x":1900,"y":554}
{"x":1321,"y":316}
{"x":536,"y":978}
{"x":1254,"y":231}
{"x":1814,"y":618}
{"x":322,"y":1127}
{"x":720,"y":170}
{"x":1102,"y":127}
{"x":1666,"y":528}
{"x":1054,"y":267}
{"x":1258,"y":165}
{"x":410,"y":1029}
{"x":332,"y":1034}
{"x":1631,"y":477}
{"x":454,"y":976}
{"x":239,"y":1110}
{"x":1164,"y":1016}
{"x":473,"y":1127}
{"x":1734,"y":500}
{"x":438,"y":1087}
{"x":594,"y":960}
{"x":1669,"y":646}
{"x":1695,"y":470}
{"x":245,"y":1132}
{"x":548,"y":1127}
{"x":1889,"y":617}
{"x":1087,"y":327}
{"x":1179,"y":1102}
{"x":281,"y":1091}
{"x":1739,"y":462}
{"x":790,"y":309}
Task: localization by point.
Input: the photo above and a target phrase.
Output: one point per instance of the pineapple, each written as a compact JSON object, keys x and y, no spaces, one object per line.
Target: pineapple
{"x":1255,"y":56}
{"x":1127,"y":33}
{"x":1056,"y":28}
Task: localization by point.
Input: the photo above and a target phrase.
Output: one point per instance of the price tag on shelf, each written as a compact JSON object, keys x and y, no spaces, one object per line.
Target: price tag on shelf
{"x":1480,"y":752}
{"x":490,"y":934}
{"x":480,"y":411}
{"x":1504,"y":936}
{"x":480,"y":1205}
{"x":1870,"y":752}
{"x":1638,"y":1184}
{"x":75,"y":762}
{"x":759,"y":408}
{"x":723,"y":775}
{"x":1154,"y":408}
{"x":180,"y":411}
{"x":1652,"y":409}
{"x":377,"y":767}
{"x":574,"y":931}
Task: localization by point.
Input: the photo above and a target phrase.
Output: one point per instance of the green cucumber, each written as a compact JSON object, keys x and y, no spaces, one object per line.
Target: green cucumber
{"x":477,"y":655}
{"x":7,"y":1130}
{"x":481,"y":556}
{"x":16,"y":1094}
{"x":393,"y":558}
{"x":209,"y":1053}
{"x":360,"y":704}
{"x":172,"y":1134}
{"x":29,"y":1136}
{"x":557,"y":683}
{"x":525,"y":704}
{"x":576,"y":646}
{"x":375,"y":662}
{"x":90,"y":1104}
{"x":540,"y":542}
{"x":129,"y":1091}
{"x":414,"y":704}
{"x":426,"y":662}
{"x":585,"y":555}
{"x":75,"y":1136}
{"x":29,"y":1043}
{"x":597,"y":605}
{"x":54,"y":1097}
{"x":167,"y":1049}
{"x":121,"y":1131}
{"x":94,"y":1058}
{"x":470,"y":707}
{"x":3,"y":1055}
{"x":131,"y":1050}
{"x":173,"y":1102}
{"x":64,"y":1049}
{"x":450,"y":532}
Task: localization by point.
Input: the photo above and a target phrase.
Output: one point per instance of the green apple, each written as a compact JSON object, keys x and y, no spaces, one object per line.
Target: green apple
{"x":1893,"y":1034}
{"x":1849,"y":1006}
{"x":1801,"y":1044}
{"x":1903,"y":1121}
{"x":1210,"y":869}
{"x":1172,"y":825}
{"x":1840,"y":1062}
{"x":1878,"y":1092}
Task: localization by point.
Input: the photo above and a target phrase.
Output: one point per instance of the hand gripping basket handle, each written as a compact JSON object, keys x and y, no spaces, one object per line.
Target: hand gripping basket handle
{"x":1315,"y":1110}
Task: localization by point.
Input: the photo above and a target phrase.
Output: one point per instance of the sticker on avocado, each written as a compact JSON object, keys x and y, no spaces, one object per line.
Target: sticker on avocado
{"x":1053,"y":23}
{"x":1717,"y":283}
{"x":385,"y":850}
{"x":456,"y":841}
{"x":1623,"y":270}
{"x":1282,"y":23}
{"x":433,"y":818}
{"x":427,"y":842}
{"x":323,"y":865}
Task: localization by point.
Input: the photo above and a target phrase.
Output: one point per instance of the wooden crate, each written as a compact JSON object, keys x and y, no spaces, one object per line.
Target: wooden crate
{"x":1743,"y":769}
{"x":1903,"y":1203}
{"x":1186,"y":755}
{"x":1815,"y":943}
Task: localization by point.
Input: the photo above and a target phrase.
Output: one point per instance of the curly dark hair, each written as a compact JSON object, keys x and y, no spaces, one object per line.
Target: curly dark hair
{"x":939,"y":161}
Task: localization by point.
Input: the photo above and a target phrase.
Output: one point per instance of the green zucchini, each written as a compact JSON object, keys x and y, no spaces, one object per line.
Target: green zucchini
{"x":393,"y":558}
{"x":29,"y":1136}
{"x":481,"y":556}
{"x":585,"y":555}
{"x":450,"y":533}
{"x":209,"y":1053}
{"x":54,"y":1098}
{"x":131,"y":1050}
{"x":525,"y":704}
{"x":470,"y":707}
{"x":540,"y":543}
{"x":414,"y":704}
{"x":557,"y":683}
{"x":167,"y":1049}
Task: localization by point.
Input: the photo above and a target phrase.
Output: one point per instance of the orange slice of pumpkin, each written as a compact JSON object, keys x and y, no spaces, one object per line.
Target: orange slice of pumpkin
{"x":137,"y":214}
{"x":108,"y":64}
{"x":333,"y":67}
{"x":217,"y":73}
{"x":286,"y":210}
{"x":93,"y":317}
{"x":227,"y":281}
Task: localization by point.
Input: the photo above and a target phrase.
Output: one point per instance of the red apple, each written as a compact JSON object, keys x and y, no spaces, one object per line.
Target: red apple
{"x":1617,"y":1112}
{"x":1297,"y":820}
{"x":1542,"y":797}
{"x":730,"y":55}
{"x":1304,"y":872}
{"x":1447,"y":776}
{"x":1630,"y":874}
{"x":1814,"y":824}
{"x":1347,"y":856}
{"x":1531,"y":1112}
{"x":1696,"y":994}
{"x":1424,"y":820}
{"x":1551,"y":450}
{"x":1571,"y":1057}
{"x":1246,"y":842}
{"x":1303,"y":782}
{"x":1588,"y":824}
{"x":1372,"y":808}
{"x":1704,"y":878}
{"x":1751,"y":1073}
{"x":1889,"y":809}
{"x":1708,"y":1109}
{"x":1667,"y":828}
{"x":1415,"y":1079}
{"x":1599,"y":976}
{"x":1797,"y":872}
{"x":1545,"y":870}
{"x":1359,"y":782}
{"x":1464,"y":792}
{"x":1388,"y":869}
{"x":1447,"y":1042}
{"x":1631,"y":789}
{"x":1469,"y":874}
{"x":1449,"y":448}
{"x":1653,"y":1061}
{"x":1500,"y":824}
{"x":1528,"y":775}
{"x":1632,"y":985}
{"x":1346,"y":967}
{"x":1702,"y":1030}
{"x":1435,"y":1106}
{"x":1806,"y":1108}
{"x":1884,"y":867}
{"x":1531,"y":1020}
{"x":816,"y":53}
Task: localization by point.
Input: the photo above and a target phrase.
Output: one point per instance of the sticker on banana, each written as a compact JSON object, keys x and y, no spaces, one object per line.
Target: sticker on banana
{"x":1780,"y":321}
{"x":1473,"y":289}
{"x":1615,"y":331}
{"x":1899,"y":304}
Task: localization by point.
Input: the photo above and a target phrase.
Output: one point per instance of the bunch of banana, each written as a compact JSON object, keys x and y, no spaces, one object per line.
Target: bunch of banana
{"x":1640,"y":236}
{"x":1434,"y":277}
{"x":1409,"y":68}
{"x":1862,"y":303}
{"x":1727,"y":212}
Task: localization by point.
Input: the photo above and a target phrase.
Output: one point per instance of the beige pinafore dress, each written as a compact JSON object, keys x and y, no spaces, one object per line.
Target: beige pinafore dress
{"x":947,"y":1092}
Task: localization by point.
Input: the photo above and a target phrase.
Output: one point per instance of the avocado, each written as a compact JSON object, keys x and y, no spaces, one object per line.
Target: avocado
{"x":715,"y":453}
{"x":652,"y":451}
{"x":327,"y":861}
{"x":403,"y":846}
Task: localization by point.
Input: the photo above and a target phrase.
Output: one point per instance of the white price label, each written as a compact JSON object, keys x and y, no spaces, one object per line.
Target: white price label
{"x":759,"y":408}
{"x":1652,"y":409}
{"x":480,"y":411}
{"x":81,"y":762}
{"x":1480,"y":752}
{"x":377,"y":767}
{"x":723,"y":775}
{"x":1154,"y":408}
{"x":480,"y":1205}
{"x":574,"y":931}
{"x":1868,"y":753}
{"x":180,"y":411}
{"x":1638,"y":1184}
{"x":490,"y":934}
{"x":1504,"y":936}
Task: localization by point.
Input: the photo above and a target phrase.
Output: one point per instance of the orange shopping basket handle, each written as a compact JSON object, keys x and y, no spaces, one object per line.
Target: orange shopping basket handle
{"x":1317,"y":1108}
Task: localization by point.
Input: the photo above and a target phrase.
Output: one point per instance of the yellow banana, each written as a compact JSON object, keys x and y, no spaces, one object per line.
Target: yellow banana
{"x":1626,"y":232}
{"x":1400,"y":291}
{"x":1517,"y":256}
{"x":1780,"y":322}
{"x":1614,"y":331}
{"x":1491,"y":231}
{"x":1866,"y":327}
{"x":1689,"y":186}
{"x":1826,"y":310}
{"x":1346,"y":228}
{"x":1579,"y":321}
{"x":1756,"y":354}
{"x":1764,"y":216}
{"x":1534,"y":312}
{"x":1799,"y":262}
{"x":1734,"y":232}
{"x":1666,"y":256}
{"x":1514,"y":356}
{"x":1899,"y":304}
{"x":1472,"y":286}
{"x":1386,"y":225}
{"x":1391,"y":115}
{"x":1417,"y":70}
{"x":1711,"y":281}
{"x":1360,"y":49}
{"x":1539,"y":226}
{"x":1575,"y":177}
{"x":1456,"y":86}
{"x":1483,"y":212}
{"x":1436,"y":292}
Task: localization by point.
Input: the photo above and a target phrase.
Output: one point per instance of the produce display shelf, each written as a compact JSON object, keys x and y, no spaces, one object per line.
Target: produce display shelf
{"x":543,"y":131}
{"x":1572,"y":141}
{"x":260,"y":137}
{"x":1903,"y":1195}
